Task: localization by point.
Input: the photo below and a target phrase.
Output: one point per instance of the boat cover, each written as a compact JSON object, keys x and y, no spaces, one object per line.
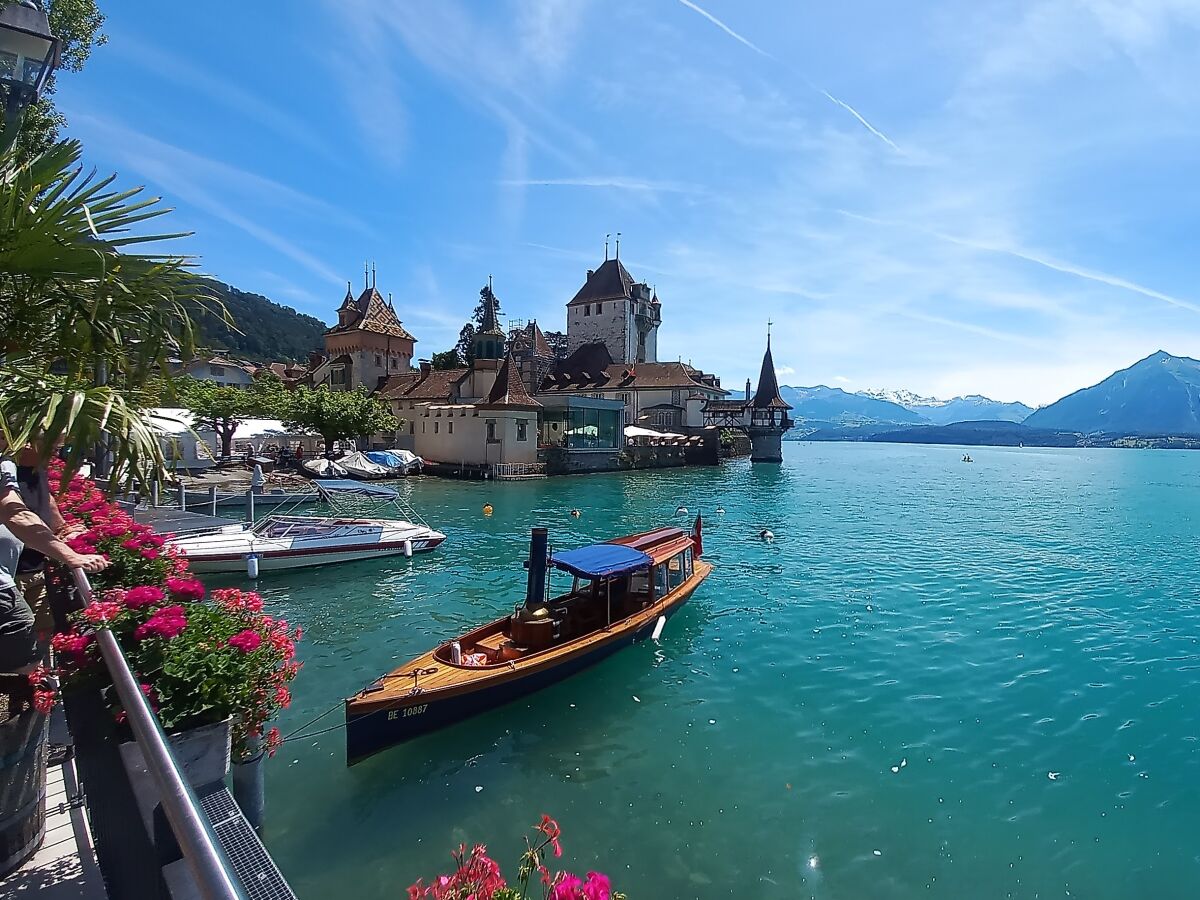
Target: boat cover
{"x":393,"y":459}
{"x":600,"y":561}
{"x":362,"y":488}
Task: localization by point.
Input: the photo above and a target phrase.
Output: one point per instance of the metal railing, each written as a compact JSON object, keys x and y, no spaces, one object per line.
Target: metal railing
{"x":206,"y":859}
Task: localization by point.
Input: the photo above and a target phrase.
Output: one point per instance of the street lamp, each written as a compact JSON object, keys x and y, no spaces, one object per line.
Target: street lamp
{"x":28,"y":57}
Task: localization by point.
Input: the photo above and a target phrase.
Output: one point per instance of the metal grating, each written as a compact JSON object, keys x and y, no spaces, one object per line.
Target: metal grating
{"x":254,"y":867}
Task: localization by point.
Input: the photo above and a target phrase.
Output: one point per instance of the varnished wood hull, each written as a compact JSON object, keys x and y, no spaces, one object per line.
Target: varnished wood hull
{"x":382,"y":719}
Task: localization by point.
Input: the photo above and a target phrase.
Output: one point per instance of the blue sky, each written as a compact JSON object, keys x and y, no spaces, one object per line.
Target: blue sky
{"x":948,"y":197}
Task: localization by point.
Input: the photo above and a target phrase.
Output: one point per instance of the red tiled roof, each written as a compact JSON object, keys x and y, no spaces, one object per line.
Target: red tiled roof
{"x":509,"y":389}
{"x":439,"y":385}
{"x":591,"y":368}
{"x":371,"y":313}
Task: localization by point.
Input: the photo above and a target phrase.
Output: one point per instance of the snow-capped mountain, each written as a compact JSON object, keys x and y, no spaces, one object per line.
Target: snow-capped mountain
{"x":907,"y":399}
{"x":971,"y":408}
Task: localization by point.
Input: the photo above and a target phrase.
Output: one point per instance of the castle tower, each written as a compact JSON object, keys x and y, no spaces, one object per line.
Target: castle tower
{"x":767,"y":414}
{"x":613,"y":309}
{"x":368,"y":342}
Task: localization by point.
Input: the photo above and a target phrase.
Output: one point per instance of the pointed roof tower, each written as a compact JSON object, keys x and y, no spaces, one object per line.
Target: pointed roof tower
{"x":509,"y":390}
{"x":489,"y":339}
{"x":767,"y":395}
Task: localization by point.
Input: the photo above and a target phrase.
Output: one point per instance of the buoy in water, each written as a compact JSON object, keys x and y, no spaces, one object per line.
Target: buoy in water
{"x":487,"y":509}
{"x":252,"y":565}
{"x":681,"y":511}
{"x":720,"y":510}
{"x":766,"y":535}
{"x":575,"y":514}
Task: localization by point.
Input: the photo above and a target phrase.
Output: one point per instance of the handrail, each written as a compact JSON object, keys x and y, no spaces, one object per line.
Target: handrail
{"x":205,"y":857}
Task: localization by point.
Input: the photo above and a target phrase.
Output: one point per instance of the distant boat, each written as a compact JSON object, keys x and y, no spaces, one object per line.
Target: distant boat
{"x":622,"y":591}
{"x":292,"y":542}
{"x":324,"y":468}
{"x":375,"y":464}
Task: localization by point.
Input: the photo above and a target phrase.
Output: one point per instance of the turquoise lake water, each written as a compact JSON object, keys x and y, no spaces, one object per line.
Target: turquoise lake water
{"x":942,"y":680}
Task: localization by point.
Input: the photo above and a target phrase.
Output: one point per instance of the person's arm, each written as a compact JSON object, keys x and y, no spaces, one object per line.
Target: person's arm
{"x":28,"y":528}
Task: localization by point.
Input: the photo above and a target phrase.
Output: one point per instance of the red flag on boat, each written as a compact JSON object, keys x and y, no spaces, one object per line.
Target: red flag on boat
{"x":698,"y":536}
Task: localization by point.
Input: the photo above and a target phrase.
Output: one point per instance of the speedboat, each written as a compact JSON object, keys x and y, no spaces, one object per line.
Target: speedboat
{"x":323,"y":468}
{"x":284,"y":541}
{"x":621,"y":592}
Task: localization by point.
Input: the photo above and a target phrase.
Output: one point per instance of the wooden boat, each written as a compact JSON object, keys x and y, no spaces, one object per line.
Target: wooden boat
{"x":621,"y":592}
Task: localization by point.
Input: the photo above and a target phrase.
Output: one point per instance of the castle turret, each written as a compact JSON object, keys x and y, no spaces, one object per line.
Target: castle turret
{"x":767,"y":414}
{"x":613,"y":309}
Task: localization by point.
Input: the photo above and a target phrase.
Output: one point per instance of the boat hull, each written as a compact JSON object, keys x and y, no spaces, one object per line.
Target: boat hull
{"x":279,"y":560}
{"x":375,"y":725}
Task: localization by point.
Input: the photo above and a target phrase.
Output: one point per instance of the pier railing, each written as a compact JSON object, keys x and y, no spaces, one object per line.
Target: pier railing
{"x":226,"y":860}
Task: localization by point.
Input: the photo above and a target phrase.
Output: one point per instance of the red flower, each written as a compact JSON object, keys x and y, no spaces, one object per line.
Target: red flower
{"x":247,"y":641}
{"x":72,"y":645}
{"x":99,"y":612}
{"x":566,"y":887}
{"x":185,"y":588}
{"x":598,"y":887}
{"x":43,"y":701}
{"x":131,"y":544}
{"x":150,"y":554}
{"x":165,"y":623}
{"x":283,"y":697}
{"x":273,"y":740}
{"x":137,"y":597}
{"x":550,"y":829}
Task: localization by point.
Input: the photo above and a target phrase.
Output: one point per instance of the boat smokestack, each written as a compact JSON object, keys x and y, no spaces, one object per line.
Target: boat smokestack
{"x":535,"y":591}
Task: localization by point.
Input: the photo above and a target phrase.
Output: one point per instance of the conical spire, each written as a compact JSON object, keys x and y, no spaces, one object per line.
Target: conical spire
{"x":767,"y":395}
{"x":509,"y":389}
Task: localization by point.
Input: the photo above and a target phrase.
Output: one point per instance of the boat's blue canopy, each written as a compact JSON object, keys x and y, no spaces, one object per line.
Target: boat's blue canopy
{"x":361,"y":488}
{"x":601,"y":560}
{"x":384,"y":458}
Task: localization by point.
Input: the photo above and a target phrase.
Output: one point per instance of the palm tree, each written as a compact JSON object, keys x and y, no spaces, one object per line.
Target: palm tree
{"x":85,"y":322}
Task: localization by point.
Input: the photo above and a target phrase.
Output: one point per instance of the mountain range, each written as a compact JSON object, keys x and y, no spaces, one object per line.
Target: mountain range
{"x":1156,"y":396}
{"x":971,"y":408}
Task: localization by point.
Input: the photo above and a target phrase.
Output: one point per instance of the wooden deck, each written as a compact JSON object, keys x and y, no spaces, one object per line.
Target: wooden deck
{"x":65,"y":866}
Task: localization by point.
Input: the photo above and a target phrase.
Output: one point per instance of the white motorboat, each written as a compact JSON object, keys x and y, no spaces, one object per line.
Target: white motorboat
{"x":397,"y":462}
{"x":324,"y":468}
{"x":359,"y":465}
{"x":283,"y":541}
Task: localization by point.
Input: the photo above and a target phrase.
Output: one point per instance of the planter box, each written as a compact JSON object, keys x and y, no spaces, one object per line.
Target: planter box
{"x":202,"y":753}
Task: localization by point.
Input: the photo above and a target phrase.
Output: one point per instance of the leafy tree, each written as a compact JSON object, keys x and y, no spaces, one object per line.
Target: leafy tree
{"x":77,"y":24}
{"x":221,"y":408}
{"x":84,"y":322}
{"x":338,"y":414}
{"x":447,"y":359}
{"x":465,"y":348}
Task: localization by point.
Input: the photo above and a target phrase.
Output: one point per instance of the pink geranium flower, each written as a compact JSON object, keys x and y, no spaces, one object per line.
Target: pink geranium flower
{"x":98,"y":612}
{"x":147,"y":595}
{"x":247,"y":641}
{"x":185,"y":588}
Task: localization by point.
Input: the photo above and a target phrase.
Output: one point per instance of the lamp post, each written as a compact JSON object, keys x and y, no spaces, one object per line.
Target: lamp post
{"x":29,"y":54}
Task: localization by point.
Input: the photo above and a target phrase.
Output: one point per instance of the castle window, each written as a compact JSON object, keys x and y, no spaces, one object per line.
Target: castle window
{"x":522,"y":430}
{"x":412,"y":427}
{"x":378,"y":360}
{"x":450,"y":427}
{"x":337,"y":375}
{"x":435,"y":427}
{"x":491,"y":432}
{"x":598,"y":308}
{"x":587,"y":309}
{"x":395,"y":362}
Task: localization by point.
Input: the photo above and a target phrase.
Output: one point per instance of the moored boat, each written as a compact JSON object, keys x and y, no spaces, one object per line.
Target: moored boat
{"x":359,"y":465}
{"x":292,"y":542}
{"x":323,"y":468}
{"x":621,"y":592}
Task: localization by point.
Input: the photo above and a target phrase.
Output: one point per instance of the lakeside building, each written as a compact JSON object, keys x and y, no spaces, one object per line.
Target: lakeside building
{"x":219,"y":369}
{"x":367,"y":345}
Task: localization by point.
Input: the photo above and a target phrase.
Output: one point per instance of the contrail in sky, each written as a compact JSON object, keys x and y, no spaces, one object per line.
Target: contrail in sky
{"x":761,"y":52}
{"x":1055,"y":265}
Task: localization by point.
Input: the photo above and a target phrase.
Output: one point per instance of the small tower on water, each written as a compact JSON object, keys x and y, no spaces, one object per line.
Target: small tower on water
{"x":766,"y":415}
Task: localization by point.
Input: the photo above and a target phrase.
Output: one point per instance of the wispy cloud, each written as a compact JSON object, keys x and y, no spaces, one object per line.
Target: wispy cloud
{"x":616,"y":182}
{"x":741,"y":39}
{"x":1048,"y":262}
{"x":205,"y":184}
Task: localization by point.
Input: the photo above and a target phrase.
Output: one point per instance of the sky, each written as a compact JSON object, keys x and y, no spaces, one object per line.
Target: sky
{"x":995,"y":197}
